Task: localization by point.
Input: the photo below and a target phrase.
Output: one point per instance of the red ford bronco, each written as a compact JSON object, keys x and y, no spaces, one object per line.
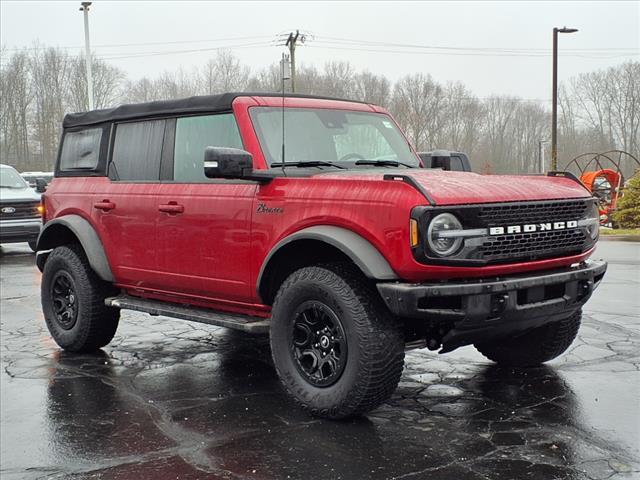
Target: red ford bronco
{"x":315,"y":221}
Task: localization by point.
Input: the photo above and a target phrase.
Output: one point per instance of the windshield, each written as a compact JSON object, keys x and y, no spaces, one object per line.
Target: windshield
{"x":9,"y":178}
{"x":325,"y":135}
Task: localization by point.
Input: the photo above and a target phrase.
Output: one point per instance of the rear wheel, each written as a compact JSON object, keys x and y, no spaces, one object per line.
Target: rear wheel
{"x":535,"y":346}
{"x":73,"y":302}
{"x":336,"y":348}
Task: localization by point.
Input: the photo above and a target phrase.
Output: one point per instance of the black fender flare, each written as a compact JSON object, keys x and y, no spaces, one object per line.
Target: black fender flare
{"x":363,"y":254}
{"x":86,"y":235}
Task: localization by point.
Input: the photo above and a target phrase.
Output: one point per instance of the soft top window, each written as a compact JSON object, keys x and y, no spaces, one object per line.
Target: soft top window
{"x":193,"y":135}
{"x":137,"y":151}
{"x":81,"y":150}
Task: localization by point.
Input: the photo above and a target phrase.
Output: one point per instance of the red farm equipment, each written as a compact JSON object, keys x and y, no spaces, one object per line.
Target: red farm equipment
{"x":604,"y":175}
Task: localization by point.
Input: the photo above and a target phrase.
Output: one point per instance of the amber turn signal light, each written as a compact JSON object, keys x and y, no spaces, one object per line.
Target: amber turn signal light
{"x":40,"y":209}
{"x":413,"y":229}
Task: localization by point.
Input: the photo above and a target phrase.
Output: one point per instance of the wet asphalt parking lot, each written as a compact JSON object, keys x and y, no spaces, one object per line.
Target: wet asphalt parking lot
{"x":168,"y":399}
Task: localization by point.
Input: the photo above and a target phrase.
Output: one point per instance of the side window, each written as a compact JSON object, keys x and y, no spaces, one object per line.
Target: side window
{"x":456,"y":164}
{"x":137,"y":150}
{"x":81,"y":150}
{"x":193,"y":135}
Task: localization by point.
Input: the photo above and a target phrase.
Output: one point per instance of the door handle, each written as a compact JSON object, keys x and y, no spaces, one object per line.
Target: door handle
{"x":172,"y":208}
{"x":104,"y":205}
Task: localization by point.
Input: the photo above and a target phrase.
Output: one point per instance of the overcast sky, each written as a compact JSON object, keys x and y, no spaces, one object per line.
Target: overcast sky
{"x":465,"y":34}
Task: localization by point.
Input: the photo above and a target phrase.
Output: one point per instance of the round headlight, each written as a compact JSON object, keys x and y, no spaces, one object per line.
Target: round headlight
{"x":439,"y":242}
{"x":593,"y":217}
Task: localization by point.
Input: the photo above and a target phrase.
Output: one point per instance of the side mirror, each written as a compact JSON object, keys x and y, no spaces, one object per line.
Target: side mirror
{"x":223,"y":162}
{"x":41,"y":185}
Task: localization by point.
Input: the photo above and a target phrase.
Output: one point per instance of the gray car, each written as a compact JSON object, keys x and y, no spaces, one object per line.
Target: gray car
{"x":20,"y":209}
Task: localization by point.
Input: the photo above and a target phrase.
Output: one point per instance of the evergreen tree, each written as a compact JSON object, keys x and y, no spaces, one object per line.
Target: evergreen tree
{"x":627,"y":215}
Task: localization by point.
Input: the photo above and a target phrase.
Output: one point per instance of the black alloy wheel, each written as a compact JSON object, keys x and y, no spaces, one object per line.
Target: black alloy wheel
{"x":318,"y":344}
{"x":65,"y":300}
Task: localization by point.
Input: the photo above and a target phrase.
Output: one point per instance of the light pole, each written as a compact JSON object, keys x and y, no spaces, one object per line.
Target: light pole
{"x":87,"y":52}
{"x":554,"y":106}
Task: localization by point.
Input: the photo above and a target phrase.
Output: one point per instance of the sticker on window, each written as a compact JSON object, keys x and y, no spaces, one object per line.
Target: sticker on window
{"x":387,"y":124}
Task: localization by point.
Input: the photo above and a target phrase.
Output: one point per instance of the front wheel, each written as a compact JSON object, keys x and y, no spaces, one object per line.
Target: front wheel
{"x":73,"y":302}
{"x":336,"y":348}
{"x":535,"y":346}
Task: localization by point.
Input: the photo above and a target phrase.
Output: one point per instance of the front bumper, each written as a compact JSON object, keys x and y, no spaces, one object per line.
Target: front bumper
{"x":20,"y":230}
{"x":480,"y":310}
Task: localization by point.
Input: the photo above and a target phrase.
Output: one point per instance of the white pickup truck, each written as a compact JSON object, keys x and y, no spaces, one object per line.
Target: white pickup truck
{"x":20,"y":209}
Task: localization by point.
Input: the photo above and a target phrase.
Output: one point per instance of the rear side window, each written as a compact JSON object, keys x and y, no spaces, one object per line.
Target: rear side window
{"x":81,"y":150}
{"x":193,"y":135}
{"x":137,"y":150}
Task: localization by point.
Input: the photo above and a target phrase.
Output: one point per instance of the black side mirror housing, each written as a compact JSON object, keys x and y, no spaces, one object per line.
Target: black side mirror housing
{"x":41,"y":185}
{"x":225,"y":162}
{"x":446,"y":160}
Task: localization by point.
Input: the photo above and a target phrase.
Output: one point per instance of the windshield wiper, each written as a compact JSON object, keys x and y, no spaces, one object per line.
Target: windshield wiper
{"x":314,"y":163}
{"x":384,"y":163}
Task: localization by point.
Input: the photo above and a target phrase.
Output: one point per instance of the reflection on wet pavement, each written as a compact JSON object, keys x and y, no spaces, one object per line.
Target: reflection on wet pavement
{"x":169,"y":399}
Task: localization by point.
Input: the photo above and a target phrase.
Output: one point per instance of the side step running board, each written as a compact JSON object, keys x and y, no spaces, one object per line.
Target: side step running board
{"x":194,"y":314}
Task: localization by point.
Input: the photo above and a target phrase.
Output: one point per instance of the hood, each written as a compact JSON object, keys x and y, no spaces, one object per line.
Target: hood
{"x":452,"y":188}
{"x":26,"y":194}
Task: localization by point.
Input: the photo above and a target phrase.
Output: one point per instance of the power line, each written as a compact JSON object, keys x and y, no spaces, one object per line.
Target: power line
{"x":118,"y":45}
{"x":440,"y":47}
{"x":117,"y":56}
{"x":472,"y":53}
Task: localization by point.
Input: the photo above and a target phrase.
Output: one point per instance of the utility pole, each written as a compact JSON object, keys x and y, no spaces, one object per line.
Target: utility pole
{"x":291,"y":42}
{"x":87,"y":52}
{"x":554,"y":105}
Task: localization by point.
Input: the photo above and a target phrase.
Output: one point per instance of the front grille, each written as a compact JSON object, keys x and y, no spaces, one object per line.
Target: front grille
{"x":520,"y":213}
{"x":533,"y":245}
{"x":18,"y":210}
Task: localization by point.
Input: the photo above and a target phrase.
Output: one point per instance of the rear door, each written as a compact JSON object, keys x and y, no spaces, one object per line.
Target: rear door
{"x":125,"y":208}
{"x":203,"y":224}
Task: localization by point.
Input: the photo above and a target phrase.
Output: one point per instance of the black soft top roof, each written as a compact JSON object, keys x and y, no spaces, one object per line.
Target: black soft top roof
{"x":199,"y":104}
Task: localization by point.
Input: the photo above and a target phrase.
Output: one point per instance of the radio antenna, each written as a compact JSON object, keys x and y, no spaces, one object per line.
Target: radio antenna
{"x":285,"y":70}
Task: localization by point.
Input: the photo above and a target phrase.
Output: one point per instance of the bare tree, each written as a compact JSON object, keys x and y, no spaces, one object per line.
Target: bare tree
{"x":15,"y":91}
{"x":338,"y":79}
{"x":497,"y":141}
{"x":417,"y":104}
{"x":372,"y":88}
{"x":224,"y":73}
{"x":107,"y":81}
{"x":50,"y":75}
{"x":143,"y":90}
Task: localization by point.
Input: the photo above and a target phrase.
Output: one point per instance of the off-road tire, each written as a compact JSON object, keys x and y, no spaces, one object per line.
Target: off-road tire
{"x":33,"y":245}
{"x":95,"y":323}
{"x":535,"y":346}
{"x":374,"y":338}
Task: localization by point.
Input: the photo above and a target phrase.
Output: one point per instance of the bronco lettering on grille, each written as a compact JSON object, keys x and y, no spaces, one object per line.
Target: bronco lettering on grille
{"x":533,"y":227}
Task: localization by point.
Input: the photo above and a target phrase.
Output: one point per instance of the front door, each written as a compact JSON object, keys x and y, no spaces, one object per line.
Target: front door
{"x":204,"y":225}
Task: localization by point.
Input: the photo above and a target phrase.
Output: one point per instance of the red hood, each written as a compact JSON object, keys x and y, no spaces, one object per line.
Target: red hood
{"x":451,"y":188}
